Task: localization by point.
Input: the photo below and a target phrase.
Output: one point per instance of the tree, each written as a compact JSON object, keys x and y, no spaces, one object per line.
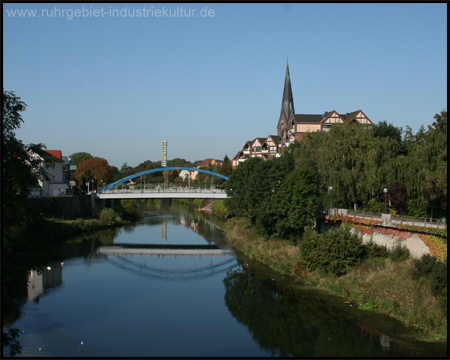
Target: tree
{"x":295,"y":203}
{"x":96,"y":169}
{"x":225,"y":168}
{"x":79,"y":157}
{"x":383,"y":129}
{"x":237,"y":187}
{"x":21,"y":168}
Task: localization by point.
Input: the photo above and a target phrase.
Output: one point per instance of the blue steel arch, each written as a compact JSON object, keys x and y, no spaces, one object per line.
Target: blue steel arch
{"x":121,"y":181}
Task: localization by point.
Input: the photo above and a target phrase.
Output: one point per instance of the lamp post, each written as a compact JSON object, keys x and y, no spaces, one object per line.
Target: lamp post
{"x":92,"y":184}
{"x":385,"y":190}
{"x":87,"y":184}
{"x":330,"y":189}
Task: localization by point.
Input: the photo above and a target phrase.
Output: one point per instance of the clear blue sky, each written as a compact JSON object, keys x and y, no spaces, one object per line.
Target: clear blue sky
{"x":116,"y":86}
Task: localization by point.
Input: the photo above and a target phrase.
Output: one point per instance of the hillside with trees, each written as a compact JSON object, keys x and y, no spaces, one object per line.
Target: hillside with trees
{"x":357,"y":164}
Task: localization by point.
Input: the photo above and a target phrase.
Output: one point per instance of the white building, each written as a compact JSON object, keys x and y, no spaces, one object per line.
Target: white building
{"x":56,"y":185}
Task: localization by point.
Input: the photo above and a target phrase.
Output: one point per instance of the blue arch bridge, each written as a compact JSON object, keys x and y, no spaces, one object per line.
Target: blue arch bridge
{"x":110,"y":191}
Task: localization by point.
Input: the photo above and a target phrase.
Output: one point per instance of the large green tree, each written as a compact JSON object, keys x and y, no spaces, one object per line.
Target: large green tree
{"x":22,"y":165}
{"x":295,"y":203}
{"x":79,"y":157}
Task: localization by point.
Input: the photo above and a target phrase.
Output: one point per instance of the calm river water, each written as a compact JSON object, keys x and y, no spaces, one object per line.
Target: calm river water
{"x":89,"y":303}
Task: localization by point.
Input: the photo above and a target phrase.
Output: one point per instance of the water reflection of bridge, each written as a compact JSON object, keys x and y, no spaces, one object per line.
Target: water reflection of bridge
{"x":158,"y":249}
{"x":135,"y":258}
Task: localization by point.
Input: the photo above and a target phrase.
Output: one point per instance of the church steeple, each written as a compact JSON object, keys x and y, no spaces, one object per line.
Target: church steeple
{"x":287,"y":104}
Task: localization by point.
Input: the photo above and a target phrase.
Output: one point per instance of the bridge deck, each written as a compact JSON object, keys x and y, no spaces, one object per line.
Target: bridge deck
{"x":167,"y":194}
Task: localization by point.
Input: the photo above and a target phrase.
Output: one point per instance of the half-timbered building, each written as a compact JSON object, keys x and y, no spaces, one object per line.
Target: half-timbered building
{"x":292,"y":127}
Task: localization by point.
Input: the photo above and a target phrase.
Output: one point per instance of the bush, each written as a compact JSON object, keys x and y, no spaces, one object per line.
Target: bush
{"x":399,"y":253}
{"x":425,"y":265}
{"x":436,"y":270}
{"x":218,"y":206}
{"x":335,"y":252}
{"x":109,"y":217}
{"x":439,"y":279}
{"x":372,"y":250}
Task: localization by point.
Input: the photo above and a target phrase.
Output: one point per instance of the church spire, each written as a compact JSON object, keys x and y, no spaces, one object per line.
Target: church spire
{"x":287,"y":104}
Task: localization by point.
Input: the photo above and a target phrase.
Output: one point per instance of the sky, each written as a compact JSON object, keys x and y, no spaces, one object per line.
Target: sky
{"x":209,"y":77}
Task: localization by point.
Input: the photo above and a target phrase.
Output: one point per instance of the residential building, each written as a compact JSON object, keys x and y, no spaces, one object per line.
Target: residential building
{"x":55,"y":185}
{"x":212,"y":163}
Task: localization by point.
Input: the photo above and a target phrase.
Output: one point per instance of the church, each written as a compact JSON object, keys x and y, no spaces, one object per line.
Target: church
{"x":292,"y":126}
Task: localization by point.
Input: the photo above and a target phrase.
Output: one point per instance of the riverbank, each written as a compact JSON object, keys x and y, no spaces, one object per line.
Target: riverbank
{"x":379,"y":284}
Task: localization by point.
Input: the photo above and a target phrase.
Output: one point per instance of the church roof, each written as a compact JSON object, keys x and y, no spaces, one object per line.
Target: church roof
{"x":287,"y":96}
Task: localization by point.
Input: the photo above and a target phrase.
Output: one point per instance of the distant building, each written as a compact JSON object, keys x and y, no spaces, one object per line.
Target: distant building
{"x":69,"y":171}
{"x":214,"y":164}
{"x":56,"y":185}
{"x":208,"y":162}
{"x":293,"y":127}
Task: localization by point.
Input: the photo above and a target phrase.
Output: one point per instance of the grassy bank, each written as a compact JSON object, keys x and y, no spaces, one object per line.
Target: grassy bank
{"x":377,"y":284}
{"x":54,"y":229}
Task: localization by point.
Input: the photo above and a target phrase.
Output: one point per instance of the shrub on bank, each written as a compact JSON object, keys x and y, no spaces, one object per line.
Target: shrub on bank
{"x":335,"y":252}
{"x":431,"y":268}
{"x":218,"y":206}
{"x":109,"y":217}
{"x":372,"y":250}
{"x":399,"y":253}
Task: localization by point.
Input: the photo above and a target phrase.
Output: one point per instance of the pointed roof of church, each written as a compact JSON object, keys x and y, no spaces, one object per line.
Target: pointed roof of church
{"x":287,"y":104}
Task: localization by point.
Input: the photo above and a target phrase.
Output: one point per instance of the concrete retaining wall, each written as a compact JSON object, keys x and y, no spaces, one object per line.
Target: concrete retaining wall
{"x":83,"y":206}
{"x":413,"y":243}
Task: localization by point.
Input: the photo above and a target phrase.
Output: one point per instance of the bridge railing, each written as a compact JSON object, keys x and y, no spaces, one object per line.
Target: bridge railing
{"x":167,"y":190}
{"x":401,"y":219}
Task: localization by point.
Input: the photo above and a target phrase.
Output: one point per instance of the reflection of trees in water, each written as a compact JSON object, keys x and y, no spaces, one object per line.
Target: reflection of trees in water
{"x":304,"y":323}
{"x":203,"y":224}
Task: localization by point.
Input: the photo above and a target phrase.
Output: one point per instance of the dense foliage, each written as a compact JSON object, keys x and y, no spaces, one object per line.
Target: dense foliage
{"x":22,"y":165}
{"x":278,"y":196}
{"x":359,"y":163}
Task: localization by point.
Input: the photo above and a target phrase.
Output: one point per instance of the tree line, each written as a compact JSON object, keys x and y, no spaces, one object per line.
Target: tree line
{"x":91,"y":168}
{"x":348,"y":167}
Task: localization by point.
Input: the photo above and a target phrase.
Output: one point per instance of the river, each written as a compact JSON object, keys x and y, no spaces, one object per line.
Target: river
{"x":89,"y":301}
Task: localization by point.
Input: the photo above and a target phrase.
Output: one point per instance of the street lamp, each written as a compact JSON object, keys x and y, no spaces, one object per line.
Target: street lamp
{"x":87,"y":184}
{"x":92,"y":184}
{"x":385,"y":190}
{"x":331,"y":196}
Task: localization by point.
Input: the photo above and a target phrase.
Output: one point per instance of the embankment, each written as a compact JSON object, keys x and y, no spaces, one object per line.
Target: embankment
{"x":380,"y":284}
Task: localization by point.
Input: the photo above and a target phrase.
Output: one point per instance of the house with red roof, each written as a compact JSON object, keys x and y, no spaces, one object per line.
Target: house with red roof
{"x":56,"y":184}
